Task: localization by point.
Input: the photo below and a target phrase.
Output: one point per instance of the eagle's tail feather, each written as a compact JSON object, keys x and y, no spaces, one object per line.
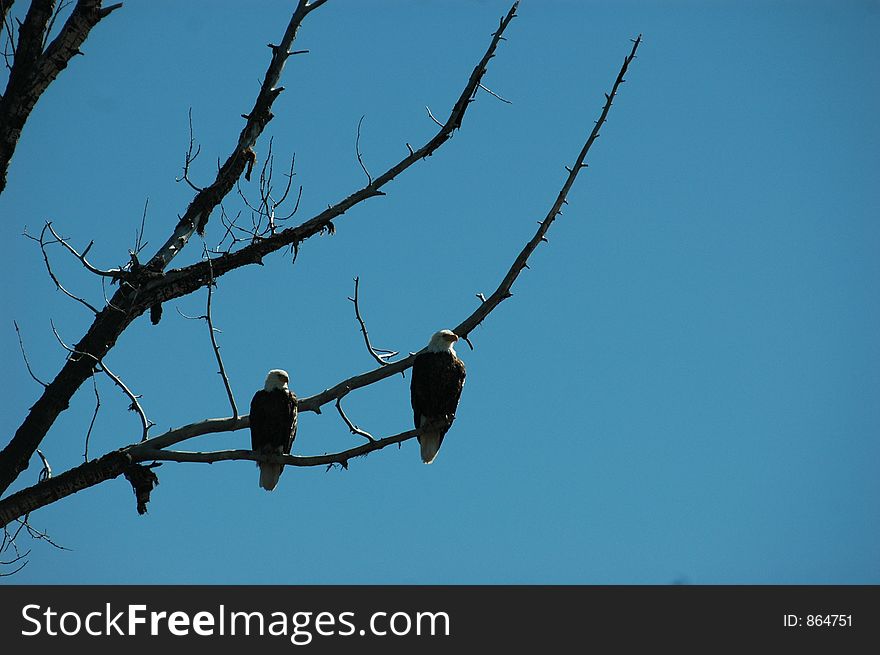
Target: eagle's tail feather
{"x":269,"y":475}
{"x":430,"y":445}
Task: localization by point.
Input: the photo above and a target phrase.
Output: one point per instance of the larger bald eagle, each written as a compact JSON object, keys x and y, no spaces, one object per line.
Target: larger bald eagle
{"x":437,"y":379}
{"x":273,"y":424}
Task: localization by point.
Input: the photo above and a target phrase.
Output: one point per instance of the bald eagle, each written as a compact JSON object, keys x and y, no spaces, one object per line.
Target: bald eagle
{"x":273,"y":424}
{"x":437,"y":378}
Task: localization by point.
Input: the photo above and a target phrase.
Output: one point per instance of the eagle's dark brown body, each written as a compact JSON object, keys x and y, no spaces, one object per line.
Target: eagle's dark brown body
{"x":273,"y":429}
{"x":437,"y":381}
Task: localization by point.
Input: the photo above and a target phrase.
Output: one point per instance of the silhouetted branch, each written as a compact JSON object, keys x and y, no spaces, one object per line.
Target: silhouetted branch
{"x":495,"y":95}
{"x":183,"y":281}
{"x":112,"y":273}
{"x":178,"y":283}
{"x":357,"y":149}
{"x":463,"y":329}
{"x":216,"y":348}
{"x":351,"y":426}
{"x":61,"y":7}
{"x":130,"y":300}
{"x":46,"y":471}
{"x":139,"y":243}
{"x":19,"y":557}
{"x":25,"y":357}
{"x":43,"y":243}
{"x":94,"y":418}
{"x":289,"y":460}
{"x":189,"y":158}
{"x":33,"y":69}
{"x":379,"y":354}
{"x":101,"y":366}
{"x":503,"y":291}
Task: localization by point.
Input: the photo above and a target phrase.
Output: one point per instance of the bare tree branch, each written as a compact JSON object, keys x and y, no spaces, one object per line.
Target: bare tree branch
{"x":156,"y":449}
{"x":463,"y":329}
{"x":357,"y":149}
{"x":189,"y":157}
{"x":113,"y":464}
{"x":289,"y":460}
{"x":92,"y":422}
{"x":179,"y":282}
{"x":43,"y":243}
{"x":195,"y":219}
{"x":492,"y":93}
{"x":8,"y":31}
{"x":19,"y":557}
{"x":113,"y":273}
{"x":61,"y":7}
{"x":149,"y":286}
{"x":431,"y":116}
{"x":24,"y":355}
{"x":351,"y":426}
{"x":111,"y":322}
{"x":5,"y":6}
{"x":99,"y":365}
{"x":33,"y":70}
{"x":46,"y":471}
{"x":379,"y":354}
{"x":139,"y":243}
{"x":503,"y":291}
{"x":216,"y":348}
{"x":135,"y":404}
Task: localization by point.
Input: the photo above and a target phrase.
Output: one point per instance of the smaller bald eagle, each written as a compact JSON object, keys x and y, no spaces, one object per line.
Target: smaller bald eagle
{"x":273,"y":424}
{"x":437,"y":379}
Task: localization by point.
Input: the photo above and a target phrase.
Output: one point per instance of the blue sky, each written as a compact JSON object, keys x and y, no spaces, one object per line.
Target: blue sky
{"x":684,"y":386}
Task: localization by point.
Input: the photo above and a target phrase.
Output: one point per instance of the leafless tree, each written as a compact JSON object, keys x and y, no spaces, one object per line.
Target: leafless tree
{"x":32,"y":64}
{"x":145,"y":285}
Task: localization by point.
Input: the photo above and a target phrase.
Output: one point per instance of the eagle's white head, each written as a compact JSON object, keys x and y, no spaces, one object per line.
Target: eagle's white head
{"x":442,"y":342}
{"x":276,"y":379}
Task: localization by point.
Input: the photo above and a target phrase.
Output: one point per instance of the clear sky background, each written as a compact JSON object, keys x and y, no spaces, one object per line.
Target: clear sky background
{"x":683,"y":388}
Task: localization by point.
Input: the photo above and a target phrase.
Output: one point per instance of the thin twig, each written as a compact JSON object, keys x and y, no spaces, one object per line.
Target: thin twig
{"x":351,"y":426}
{"x":61,"y":7}
{"x":94,"y":417}
{"x":135,"y":404}
{"x":268,"y":205}
{"x":19,"y":557}
{"x":214,"y":342}
{"x":357,"y":149}
{"x":189,"y":158}
{"x":428,"y":109}
{"x":46,"y":471}
{"x":58,"y":285}
{"x":295,"y":207}
{"x":503,"y":291}
{"x":100,"y":365}
{"x":182,"y":281}
{"x":315,"y":402}
{"x":381,"y":355}
{"x":112,"y":273}
{"x":106,"y":299}
{"x":43,"y":536}
{"x":177,"y":283}
{"x":139,"y":244}
{"x":492,"y":93}
{"x":9,"y":42}
{"x":24,"y":355}
{"x":289,"y":175}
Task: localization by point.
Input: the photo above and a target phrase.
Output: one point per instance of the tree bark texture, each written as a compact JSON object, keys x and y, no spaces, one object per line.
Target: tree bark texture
{"x":34,"y":69}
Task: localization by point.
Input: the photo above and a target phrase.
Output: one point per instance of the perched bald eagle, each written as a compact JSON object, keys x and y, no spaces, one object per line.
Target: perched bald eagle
{"x":437,"y":378}
{"x":273,"y":424}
